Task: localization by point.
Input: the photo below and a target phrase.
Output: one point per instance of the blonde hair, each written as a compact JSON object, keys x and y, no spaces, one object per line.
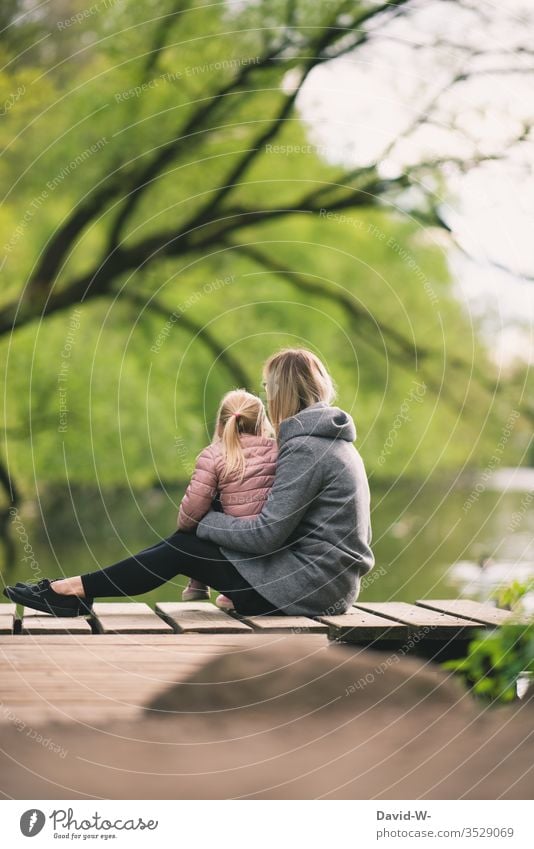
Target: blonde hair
{"x":239,"y":412}
{"x":295,"y":379}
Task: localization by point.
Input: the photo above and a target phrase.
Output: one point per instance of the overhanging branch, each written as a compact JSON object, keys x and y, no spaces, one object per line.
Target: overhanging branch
{"x":196,"y":329}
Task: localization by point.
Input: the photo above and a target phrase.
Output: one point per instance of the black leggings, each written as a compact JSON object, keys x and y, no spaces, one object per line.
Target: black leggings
{"x":179,"y":554}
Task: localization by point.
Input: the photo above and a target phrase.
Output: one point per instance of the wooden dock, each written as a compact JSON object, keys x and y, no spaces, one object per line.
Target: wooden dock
{"x":189,"y":702}
{"x":111,"y":665}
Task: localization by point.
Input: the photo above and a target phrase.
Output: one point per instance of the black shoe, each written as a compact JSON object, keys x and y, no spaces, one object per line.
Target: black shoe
{"x":41,"y":596}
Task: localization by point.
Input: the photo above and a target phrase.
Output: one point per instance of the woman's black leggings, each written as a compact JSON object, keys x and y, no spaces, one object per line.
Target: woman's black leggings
{"x":179,"y":554}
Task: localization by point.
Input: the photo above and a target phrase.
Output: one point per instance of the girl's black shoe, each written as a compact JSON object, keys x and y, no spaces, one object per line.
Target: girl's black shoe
{"x":41,"y":596}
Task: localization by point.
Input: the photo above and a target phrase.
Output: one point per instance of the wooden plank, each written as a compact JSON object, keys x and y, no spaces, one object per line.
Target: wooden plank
{"x":285,"y":624}
{"x":466,"y":608}
{"x":190,"y":641}
{"x":8,"y":613}
{"x":34,"y":622}
{"x":359,"y":625}
{"x":429,"y":624}
{"x":128,"y":618}
{"x":199,"y":617}
{"x":113,"y":676}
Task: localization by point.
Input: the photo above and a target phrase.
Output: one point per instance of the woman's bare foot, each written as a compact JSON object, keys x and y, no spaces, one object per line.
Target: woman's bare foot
{"x":69,"y":586}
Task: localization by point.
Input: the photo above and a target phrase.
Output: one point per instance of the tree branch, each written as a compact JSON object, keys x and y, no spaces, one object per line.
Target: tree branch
{"x":113,"y":186}
{"x":221,"y":354}
{"x":132,"y":187}
{"x":6,"y":517}
{"x":407,"y":355}
{"x":9,"y":486}
{"x":315,"y":54}
{"x":135,"y":190}
{"x":161,"y":35}
{"x":319,"y":289}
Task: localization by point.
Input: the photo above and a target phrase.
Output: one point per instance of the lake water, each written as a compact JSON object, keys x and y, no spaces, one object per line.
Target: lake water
{"x":428,"y":536}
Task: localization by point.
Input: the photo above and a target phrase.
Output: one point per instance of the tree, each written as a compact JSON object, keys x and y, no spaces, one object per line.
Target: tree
{"x":154,"y":148}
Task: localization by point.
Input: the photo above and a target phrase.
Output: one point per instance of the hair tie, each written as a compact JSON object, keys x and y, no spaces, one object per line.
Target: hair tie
{"x":236,"y":415}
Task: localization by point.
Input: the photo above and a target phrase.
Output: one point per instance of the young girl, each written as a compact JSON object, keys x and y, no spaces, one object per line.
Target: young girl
{"x":237,"y":468}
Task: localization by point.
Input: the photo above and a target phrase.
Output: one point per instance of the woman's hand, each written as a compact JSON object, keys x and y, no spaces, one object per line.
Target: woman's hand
{"x":296,"y":483}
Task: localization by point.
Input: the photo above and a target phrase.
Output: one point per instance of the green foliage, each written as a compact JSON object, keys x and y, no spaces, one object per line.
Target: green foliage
{"x":510,"y":597}
{"x":496,"y":659}
{"x":139,"y":414}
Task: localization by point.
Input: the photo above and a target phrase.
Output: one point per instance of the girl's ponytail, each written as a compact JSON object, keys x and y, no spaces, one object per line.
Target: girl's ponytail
{"x":239,"y":413}
{"x":234,"y":459}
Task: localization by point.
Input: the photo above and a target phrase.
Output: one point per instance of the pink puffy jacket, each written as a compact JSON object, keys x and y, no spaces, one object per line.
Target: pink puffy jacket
{"x":240,"y":498}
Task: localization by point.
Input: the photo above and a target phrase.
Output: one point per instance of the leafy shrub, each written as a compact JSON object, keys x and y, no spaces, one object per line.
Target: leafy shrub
{"x":496,"y":659}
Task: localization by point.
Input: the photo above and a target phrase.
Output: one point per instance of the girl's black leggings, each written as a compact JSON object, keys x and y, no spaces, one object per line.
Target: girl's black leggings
{"x":179,"y":554}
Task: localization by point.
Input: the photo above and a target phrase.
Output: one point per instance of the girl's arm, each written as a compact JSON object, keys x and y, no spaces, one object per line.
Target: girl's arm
{"x":200,"y":493}
{"x":297,"y":481}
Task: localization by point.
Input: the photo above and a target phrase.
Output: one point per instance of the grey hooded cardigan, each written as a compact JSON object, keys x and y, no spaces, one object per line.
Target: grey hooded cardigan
{"x":307,"y":549}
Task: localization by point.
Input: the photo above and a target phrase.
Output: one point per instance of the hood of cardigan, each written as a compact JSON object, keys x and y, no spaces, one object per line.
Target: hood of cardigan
{"x":318,"y":420}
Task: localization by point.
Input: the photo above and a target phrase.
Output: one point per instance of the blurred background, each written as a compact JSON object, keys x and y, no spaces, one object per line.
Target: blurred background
{"x":187,"y":187}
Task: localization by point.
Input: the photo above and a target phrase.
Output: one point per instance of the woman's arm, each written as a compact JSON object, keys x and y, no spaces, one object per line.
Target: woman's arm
{"x":200,"y":493}
{"x":297,"y":482}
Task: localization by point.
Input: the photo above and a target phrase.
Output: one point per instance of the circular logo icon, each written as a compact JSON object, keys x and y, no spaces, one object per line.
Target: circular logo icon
{"x":32,"y":822}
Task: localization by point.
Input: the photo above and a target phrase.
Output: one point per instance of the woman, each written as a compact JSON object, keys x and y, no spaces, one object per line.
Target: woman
{"x":303,"y":554}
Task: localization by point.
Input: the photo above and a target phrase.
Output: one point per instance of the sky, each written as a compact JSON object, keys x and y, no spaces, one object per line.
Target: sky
{"x":359,"y":107}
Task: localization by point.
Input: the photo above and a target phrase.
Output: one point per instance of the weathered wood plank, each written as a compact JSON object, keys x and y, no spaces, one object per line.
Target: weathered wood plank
{"x":128,"y":618}
{"x":359,"y":625}
{"x":34,"y":622}
{"x":466,"y":608}
{"x":199,"y":617}
{"x":50,"y":677}
{"x":285,"y":624}
{"x":190,"y":641}
{"x":7,"y":618}
{"x":429,"y":624}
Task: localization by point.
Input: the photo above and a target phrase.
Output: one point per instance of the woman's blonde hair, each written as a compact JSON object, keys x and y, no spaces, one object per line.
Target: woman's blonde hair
{"x":239,"y":412}
{"x":295,"y":379}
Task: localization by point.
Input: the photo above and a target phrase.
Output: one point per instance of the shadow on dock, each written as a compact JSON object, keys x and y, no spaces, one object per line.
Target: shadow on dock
{"x":287,"y":717}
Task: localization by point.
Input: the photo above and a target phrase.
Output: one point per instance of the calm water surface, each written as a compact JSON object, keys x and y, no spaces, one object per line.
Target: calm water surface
{"x":428,"y":538}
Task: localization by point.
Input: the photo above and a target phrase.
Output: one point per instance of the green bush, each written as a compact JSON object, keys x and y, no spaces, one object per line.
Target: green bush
{"x":495,"y":660}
